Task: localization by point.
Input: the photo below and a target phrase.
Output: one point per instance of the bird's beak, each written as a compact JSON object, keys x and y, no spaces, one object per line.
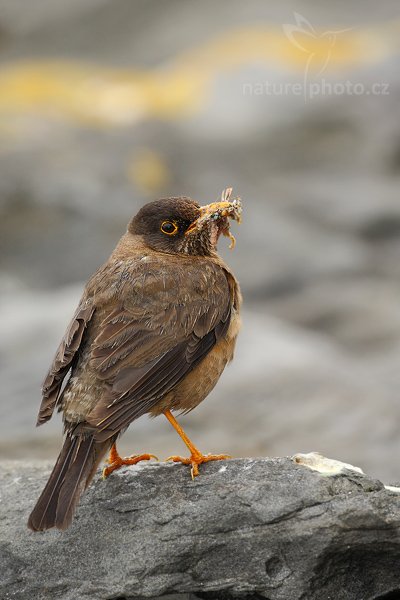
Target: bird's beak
{"x":213,"y":211}
{"x":216,"y":216}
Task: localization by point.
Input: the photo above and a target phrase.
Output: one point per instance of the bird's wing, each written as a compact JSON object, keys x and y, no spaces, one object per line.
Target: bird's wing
{"x":157,"y":335}
{"x":63,"y":360}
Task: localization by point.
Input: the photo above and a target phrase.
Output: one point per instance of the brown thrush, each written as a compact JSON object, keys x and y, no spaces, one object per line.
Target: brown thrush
{"x":155,"y":327}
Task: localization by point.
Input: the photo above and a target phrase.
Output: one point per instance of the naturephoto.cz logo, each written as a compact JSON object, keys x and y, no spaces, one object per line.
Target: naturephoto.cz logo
{"x":319,"y":50}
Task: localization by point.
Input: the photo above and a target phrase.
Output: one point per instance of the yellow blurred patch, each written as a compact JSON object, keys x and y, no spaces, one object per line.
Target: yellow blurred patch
{"x":99,"y":96}
{"x":149,"y":172}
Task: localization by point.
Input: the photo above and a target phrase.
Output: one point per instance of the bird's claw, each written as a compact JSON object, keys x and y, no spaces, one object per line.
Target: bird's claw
{"x":196,"y":459}
{"x":119,"y":462}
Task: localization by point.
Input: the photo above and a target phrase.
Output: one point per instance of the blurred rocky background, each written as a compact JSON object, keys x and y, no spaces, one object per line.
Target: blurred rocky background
{"x":107,"y":104}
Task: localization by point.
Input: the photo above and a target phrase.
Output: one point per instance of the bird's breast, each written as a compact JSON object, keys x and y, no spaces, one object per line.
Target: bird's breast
{"x":196,"y":386}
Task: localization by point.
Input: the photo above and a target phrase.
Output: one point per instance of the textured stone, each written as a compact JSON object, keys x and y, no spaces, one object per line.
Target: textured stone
{"x":247,"y":528}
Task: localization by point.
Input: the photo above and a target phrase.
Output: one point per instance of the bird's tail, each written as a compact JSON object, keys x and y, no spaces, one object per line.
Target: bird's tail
{"x":72,"y":473}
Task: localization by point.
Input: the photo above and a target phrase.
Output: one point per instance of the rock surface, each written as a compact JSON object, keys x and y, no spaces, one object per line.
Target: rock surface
{"x":246,"y":528}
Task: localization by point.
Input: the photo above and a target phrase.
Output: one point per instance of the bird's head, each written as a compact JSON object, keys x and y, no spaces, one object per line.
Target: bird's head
{"x":182,"y":226}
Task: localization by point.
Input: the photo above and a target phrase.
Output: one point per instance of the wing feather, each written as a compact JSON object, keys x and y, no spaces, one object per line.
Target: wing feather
{"x":65,"y":355}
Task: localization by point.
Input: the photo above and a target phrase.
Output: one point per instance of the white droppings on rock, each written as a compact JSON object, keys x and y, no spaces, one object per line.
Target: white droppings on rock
{"x":392,"y":488}
{"x":222,"y":469}
{"x":325,"y":466}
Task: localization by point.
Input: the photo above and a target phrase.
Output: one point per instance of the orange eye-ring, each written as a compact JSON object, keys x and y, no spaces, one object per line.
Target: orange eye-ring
{"x":169,"y":227}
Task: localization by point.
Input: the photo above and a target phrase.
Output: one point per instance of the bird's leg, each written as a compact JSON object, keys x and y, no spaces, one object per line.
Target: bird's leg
{"x":196,"y":457}
{"x":115,"y":461}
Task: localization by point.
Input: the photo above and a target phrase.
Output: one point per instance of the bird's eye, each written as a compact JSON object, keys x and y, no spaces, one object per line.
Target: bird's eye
{"x":169,"y":227}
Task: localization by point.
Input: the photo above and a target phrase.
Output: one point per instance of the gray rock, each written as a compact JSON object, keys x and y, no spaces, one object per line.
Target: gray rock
{"x":248,"y":528}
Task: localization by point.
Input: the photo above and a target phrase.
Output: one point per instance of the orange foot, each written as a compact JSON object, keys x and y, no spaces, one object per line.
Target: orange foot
{"x":115,"y":461}
{"x":196,"y":459}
